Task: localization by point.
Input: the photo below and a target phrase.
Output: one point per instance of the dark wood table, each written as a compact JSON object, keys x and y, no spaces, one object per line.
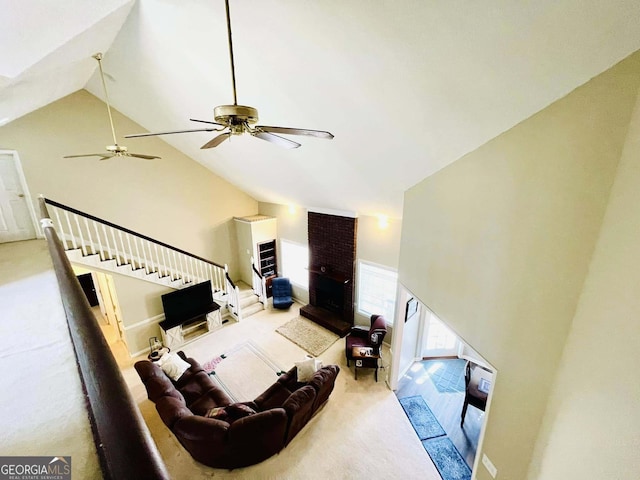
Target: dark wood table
{"x":365,"y":358}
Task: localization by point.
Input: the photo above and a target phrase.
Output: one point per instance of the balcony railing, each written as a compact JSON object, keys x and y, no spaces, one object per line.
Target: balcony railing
{"x":123,"y":442}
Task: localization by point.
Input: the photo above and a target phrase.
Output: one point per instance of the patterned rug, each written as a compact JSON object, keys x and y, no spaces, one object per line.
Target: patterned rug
{"x":447,"y":374}
{"x":308,"y":335}
{"x":447,"y":459}
{"x":244,"y":371}
{"x":424,"y":422}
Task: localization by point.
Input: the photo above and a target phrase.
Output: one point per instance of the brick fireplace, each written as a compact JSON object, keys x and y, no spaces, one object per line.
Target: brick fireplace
{"x":332,"y":254}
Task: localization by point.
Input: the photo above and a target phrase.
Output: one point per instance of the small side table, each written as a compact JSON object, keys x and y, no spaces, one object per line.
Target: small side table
{"x":365,"y":358}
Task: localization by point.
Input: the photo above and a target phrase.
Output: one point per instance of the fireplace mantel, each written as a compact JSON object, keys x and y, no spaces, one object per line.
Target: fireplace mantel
{"x":336,"y":277}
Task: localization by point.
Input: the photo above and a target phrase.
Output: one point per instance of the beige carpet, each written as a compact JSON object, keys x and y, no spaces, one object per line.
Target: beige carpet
{"x":44,"y":408}
{"x":308,"y":335}
{"x":360,"y":433}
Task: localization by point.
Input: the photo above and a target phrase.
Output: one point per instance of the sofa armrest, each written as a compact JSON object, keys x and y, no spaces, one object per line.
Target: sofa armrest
{"x":248,"y":430}
{"x":171,"y":410}
{"x":255,"y":438}
{"x":195,"y":428}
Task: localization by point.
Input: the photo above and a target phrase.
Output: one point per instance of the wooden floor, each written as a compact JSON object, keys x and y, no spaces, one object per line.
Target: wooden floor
{"x":447,"y":408}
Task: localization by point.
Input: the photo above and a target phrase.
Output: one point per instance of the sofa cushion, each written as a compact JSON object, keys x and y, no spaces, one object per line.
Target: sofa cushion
{"x":323,"y":382}
{"x":306,"y":368}
{"x":199,"y":385}
{"x":186,"y":376}
{"x":272,"y":397}
{"x":171,"y":410}
{"x":299,"y":408}
{"x":212,"y":398}
{"x":230,"y":413}
{"x":239,"y":410}
{"x":156,"y":382}
{"x":173,"y":365}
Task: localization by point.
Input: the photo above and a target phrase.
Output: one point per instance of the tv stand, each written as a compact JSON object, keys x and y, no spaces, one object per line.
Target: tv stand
{"x":174,"y":336}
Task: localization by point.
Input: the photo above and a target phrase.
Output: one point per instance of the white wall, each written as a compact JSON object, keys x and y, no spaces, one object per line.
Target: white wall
{"x":499,"y":243}
{"x":592,"y":425}
{"x":173,"y":199}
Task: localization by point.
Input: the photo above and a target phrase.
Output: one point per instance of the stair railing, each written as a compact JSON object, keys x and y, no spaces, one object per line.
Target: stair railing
{"x":124,"y":444}
{"x":233,"y":296}
{"x":125,"y":248}
{"x":258,"y":284}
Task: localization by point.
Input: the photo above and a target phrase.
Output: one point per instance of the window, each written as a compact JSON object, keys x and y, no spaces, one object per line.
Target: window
{"x":377,"y":290}
{"x":295,"y":262}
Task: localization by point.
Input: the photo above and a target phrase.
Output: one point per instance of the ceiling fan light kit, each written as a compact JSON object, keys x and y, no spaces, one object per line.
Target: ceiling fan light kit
{"x":114,"y":150}
{"x":238,"y":119}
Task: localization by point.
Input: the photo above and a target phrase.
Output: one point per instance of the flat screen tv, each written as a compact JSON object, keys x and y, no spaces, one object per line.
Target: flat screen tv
{"x":187,"y":304}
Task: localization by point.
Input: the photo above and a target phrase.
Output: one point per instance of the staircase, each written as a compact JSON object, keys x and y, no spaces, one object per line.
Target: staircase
{"x":249,"y":301}
{"x":102,"y":245}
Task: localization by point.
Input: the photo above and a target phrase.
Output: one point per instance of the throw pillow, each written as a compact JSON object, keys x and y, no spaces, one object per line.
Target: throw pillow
{"x":237,"y":411}
{"x":306,"y":368}
{"x":173,"y":366}
{"x":219,"y":413}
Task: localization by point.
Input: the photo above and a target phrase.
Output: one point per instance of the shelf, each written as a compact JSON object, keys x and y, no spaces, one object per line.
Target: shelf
{"x":267,"y":258}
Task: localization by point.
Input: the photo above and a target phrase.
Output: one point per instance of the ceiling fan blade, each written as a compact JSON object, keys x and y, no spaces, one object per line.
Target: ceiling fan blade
{"x":136,"y":135}
{"x":85,"y":155}
{"x":206,"y":121}
{"x":216,"y":140}
{"x":140,"y":155}
{"x":296,"y":131}
{"x":270,"y":137}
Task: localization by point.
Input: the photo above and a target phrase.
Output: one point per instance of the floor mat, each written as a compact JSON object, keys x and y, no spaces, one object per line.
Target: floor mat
{"x":446,"y":374}
{"x":447,"y":459}
{"x":424,"y":422}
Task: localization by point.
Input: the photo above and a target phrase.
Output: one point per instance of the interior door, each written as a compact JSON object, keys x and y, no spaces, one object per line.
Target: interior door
{"x":15,"y":219}
{"x":89,"y":289}
{"x":439,"y":340}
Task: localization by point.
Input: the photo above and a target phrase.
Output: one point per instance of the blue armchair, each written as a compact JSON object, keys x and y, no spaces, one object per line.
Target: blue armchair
{"x":281,"y":291}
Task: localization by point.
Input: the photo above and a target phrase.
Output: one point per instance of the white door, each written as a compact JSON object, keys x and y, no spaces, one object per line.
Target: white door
{"x":15,"y":219}
{"x":439,"y":340}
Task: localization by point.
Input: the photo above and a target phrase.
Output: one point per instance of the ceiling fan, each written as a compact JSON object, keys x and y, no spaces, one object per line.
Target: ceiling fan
{"x":238,"y":119}
{"x":114,"y":150}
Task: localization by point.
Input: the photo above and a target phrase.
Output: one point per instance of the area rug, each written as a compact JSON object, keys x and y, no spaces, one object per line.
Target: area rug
{"x":447,"y":459}
{"x":424,"y":422}
{"x":447,"y":375}
{"x":308,"y":335}
{"x":244,"y":371}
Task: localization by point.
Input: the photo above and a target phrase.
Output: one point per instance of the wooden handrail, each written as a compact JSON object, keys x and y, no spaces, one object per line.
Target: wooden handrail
{"x":233,"y":285}
{"x":126,"y":230}
{"x":123,"y":442}
{"x":255,"y":270}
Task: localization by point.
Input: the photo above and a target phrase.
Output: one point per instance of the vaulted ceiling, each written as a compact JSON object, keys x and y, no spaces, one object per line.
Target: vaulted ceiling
{"x":406,"y":87}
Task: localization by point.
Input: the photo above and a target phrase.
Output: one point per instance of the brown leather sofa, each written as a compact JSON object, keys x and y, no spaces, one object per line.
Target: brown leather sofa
{"x":240,"y":434}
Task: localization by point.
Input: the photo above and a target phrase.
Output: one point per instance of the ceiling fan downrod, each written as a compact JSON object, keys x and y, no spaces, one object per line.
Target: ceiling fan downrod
{"x":233,"y":68}
{"x":98,"y":57}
